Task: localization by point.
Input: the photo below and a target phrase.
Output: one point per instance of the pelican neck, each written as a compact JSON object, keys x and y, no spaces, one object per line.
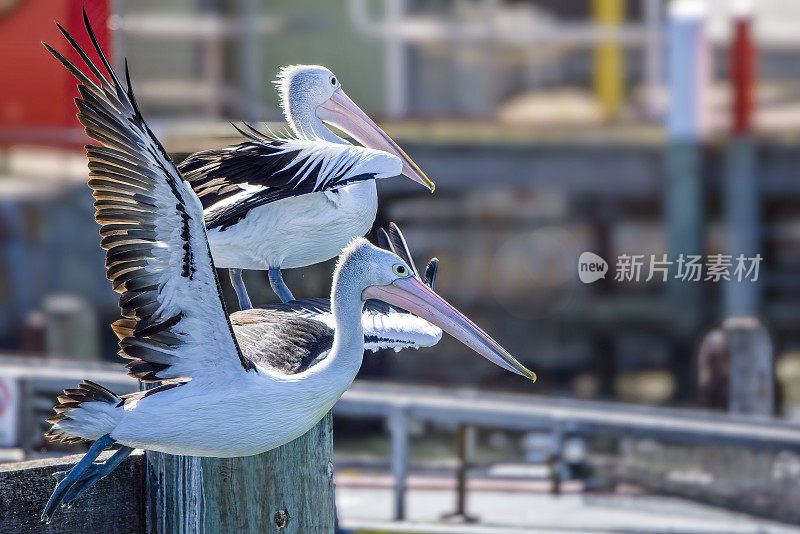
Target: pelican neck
{"x":306,"y":124}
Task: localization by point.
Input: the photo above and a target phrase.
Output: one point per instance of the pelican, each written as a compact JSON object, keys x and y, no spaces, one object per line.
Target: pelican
{"x":285,"y":202}
{"x":385,"y":326}
{"x":221,"y":397}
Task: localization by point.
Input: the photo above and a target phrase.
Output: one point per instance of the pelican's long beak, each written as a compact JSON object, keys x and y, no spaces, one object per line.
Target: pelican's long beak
{"x":343,"y":113}
{"x":414,"y":296}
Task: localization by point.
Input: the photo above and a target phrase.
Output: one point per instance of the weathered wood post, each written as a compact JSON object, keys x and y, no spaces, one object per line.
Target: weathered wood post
{"x":287,"y":490}
{"x":752,"y":382}
{"x":71,"y":329}
{"x":713,"y":370}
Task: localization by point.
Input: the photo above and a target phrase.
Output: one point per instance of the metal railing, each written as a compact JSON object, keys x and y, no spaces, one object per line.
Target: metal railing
{"x":402,"y":404}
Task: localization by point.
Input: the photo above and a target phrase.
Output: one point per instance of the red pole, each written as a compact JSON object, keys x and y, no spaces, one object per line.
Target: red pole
{"x":36,"y":92}
{"x":743,"y":75}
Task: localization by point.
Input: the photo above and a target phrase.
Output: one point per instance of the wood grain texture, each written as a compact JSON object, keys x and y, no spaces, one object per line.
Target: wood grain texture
{"x":752,"y":367}
{"x":287,"y":490}
{"x":115,"y":504}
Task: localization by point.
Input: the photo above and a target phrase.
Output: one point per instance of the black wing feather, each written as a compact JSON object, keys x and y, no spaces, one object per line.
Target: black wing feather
{"x":264,"y":161}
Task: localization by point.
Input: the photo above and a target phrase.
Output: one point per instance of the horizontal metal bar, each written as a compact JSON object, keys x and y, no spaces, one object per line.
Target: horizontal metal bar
{"x":182,"y":27}
{"x":523,"y":412}
{"x":494,"y":410}
{"x":533,"y":31}
{"x":61,"y":370}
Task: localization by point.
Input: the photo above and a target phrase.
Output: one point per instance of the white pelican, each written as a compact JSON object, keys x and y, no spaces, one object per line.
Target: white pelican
{"x":273,"y":203}
{"x":222,"y":398}
{"x":385,"y":326}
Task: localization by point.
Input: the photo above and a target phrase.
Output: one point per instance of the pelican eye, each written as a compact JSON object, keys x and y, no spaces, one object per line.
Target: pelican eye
{"x":400,"y":269}
{"x":333,"y":80}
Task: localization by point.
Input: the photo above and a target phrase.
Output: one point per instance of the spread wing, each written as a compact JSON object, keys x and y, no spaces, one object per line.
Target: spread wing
{"x":286,"y":342}
{"x":263,"y":169}
{"x":174,"y":321}
{"x":385,"y":326}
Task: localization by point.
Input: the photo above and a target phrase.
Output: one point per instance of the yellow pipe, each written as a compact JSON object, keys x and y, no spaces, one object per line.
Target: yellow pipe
{"x":608,"y":67}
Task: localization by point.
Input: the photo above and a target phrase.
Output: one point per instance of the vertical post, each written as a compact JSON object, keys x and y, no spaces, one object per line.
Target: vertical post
{"x":398,"y":431}
{"x":16,"y":260}
{"x":250,"y":65}
{"x":211,"y":66}
{"x":689,"y":71}
{"x":653,"y":50}
{"x":741,"y":192}
{"x":556,"y":458}
{"x":608,"y":67}
{"x":286,"y":490}
{"x":396,"y":105}
{"x":752,"y":382}
{"x":466,"y":446}
{"x":71,"y":329}
{"x":689,"y":74}
{"x":117,"y":12}
{"x":27,"y":425}
{"x":713,"y":371}
{"x":743,"y":69}
{"x":466,"y":453}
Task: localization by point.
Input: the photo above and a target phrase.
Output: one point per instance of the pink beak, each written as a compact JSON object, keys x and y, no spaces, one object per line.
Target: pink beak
{"x":414,"y":296}
{"x":343,"y":113}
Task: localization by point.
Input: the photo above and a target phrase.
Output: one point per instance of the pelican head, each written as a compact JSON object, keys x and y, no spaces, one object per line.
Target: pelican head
{"x":383,"y":275}
{"x":312,"y":93}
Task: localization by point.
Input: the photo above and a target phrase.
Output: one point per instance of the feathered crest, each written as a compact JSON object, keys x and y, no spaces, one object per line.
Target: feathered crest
{"x":283,"y":84}
{"x":394,"y":241}
{"x":350,"y":249}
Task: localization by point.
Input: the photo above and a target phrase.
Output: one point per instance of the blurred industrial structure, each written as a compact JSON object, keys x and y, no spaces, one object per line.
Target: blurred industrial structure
{"x":551,"y":128}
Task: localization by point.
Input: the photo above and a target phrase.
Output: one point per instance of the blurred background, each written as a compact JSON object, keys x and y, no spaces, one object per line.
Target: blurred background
{"x":638,"y":127}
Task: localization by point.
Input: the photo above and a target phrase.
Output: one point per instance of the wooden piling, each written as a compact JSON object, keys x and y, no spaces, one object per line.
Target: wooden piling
{"x":115,"y":504}
{"x":286,"y":490}
{"x":752,"y":374}
{"x":71,"y":329}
